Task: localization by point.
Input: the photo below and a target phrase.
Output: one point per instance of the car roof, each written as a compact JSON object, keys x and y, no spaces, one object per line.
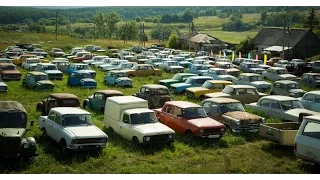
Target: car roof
{"x":77,"y":64}
{"x":69,"y":110}
{"x":115,"y":71}
{"x":37,"y":73}
{"x":155,"y":86}
{"x":182,"y":104}
{"x":221,"y":100}
{"x":64,"y":96}
{"x":139,"y":110}
{"x":201,"y":77}
{"x":187,"y":74}
{"x":278,"y":98}
{"x":313,"y":117}
{"x":220,"y":82}
{"x":312,"y":74}
{"x":126,"y":99}
{"x":242,"y":86}
{"x":108,"y":92}
{"x":11,"y":106}
{"x":277,"y":68}
{"x":47,"y":64}
{"x":249,"y":74}
{"x":313,"y":92}
{"x":286,"y":82}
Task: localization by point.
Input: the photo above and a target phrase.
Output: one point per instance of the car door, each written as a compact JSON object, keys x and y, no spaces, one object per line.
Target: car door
{"x":276,"y":110}
{"x":166,"y":116}
{"x":49,"y":123}
{"x":277,"y":88}
{"x":264,"y":106}
{"x":178,"y":123}
{"x":125,"y":128}
{"x":308,"y":142}
{"x":307,"y":101}
{"x":97,"y":101}
{"x":57,"y":128}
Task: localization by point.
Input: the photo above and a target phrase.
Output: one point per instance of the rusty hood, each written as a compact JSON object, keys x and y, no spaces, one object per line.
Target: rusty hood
{"x":205,"y":122}
{"x":243,"y":116}
{"x":10,"y":72}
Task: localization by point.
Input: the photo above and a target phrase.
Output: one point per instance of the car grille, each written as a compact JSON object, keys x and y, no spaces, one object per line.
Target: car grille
{"x":3,"y":89}
{"x":47,"y":86}
{"x":162,"y":83}
{"x":55,"y":75}
{"x":212,"y":131}
{"x":126,"y":83}
{"x":91,"y":140}
{"x":10,"y":146}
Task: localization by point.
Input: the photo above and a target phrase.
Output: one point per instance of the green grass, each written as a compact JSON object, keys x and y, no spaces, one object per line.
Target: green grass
{"x":244,"y":153}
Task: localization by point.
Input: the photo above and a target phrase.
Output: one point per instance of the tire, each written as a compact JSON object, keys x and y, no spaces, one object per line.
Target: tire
{"x":85,"y":104}
{"x":271,"y":93}
{"x":135,"y":141}
{"x":190,"y":136}
{"x":63,"y":148}
{"x":116,"y":84}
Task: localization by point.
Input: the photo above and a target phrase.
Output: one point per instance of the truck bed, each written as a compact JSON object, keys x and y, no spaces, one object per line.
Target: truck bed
{"x":281,"y":133}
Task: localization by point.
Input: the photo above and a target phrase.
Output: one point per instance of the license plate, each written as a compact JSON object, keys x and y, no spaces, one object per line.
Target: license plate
{"x":214,"y":136}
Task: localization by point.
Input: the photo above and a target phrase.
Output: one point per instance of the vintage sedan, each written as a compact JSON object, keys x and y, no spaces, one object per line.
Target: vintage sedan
{"x":155,"y":94}
{"x":172,"y":67}
{"x":177,"y":78}
{"x":117,"y":78}
{"x":209,"y":86}
{"x":142,"y":70}
{"x":189,"y":119}
{"x":22,"y":57}
{"x":219,"y":74}
{"x":96,"y":102}
{"x":273,"y":60}
{"x":50,"y":69}
{"x":231,"y":113}
{"x":287,"y":88}
{"x":311,"y":100}
{"x":310,"y":79}
{"x":282,"y":63}
{"x":253,"y":79}
{"x":56,"y":52}
{"x":278,"y":73}
{"x":95,"y":59}
{"x":57,"y":100}
{"x":193,"y":81}
{"x":229,"y":67}
{"x":9,"y":71}
{"x":30,"y":63}
{"x":243,"y":93}
{"x":37,"y":81}
{"x":62,"y":65}
{"x":284,"y":108}
{"x":199,"y":69}
{"x":3,"y":86}
{"x":252,"y":67}
{"x":81,"y":66}
{"x":81,"y":79}
{"x":112,"y":65}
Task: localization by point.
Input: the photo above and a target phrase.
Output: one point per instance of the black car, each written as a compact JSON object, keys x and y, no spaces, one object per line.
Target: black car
{"x":13,"y":140}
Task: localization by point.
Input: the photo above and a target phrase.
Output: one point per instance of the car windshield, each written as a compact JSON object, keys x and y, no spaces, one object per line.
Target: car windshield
{"x":253,"y":65}
{"x":172,"y":63}
{"x":41,"y":77}
{"x":83,"y":67}
{"x":202,"y":67}
{"x":34,"y":61}
{"x":85,"y":75}
{"x":293,"y":86}
{"x":160,"y":91}
{"x":228,"y":90}
{"x":282,"y":71}
{"x":231,"y":107}
{"x":50,"y":67}
{"x":194,"y":112}
{"x":77,"y":120}
{"x":177,"y":77}
{"x":143,"y":118}
{"x":255,"y":78}
{"x":221,"y":72}
{"x":293,"y":104}
{"x":57,"y":50}
{"x":13,"y":119}
{"x":208,"y":85}
{"x":156,"y":60}
{"x":8,"y":67}
{"x":121,"y":74}
{"x":226,"y":66}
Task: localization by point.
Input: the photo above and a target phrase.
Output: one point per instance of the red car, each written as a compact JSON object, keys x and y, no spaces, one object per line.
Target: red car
{"x":189,"y":119}
{"x":83,"y":57}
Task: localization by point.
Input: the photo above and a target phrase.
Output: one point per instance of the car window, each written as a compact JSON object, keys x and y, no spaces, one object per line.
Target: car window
{"x":309,"y":97}
{"x":277,"y":85}
{"x":240,"y":92}
{"x":125,"y":118}
{"x":275,"y":105}
{"x":250,"y":92}
{"x":58,"y":119}
{"x":265,"y":103}
{"x":312,"y":129}
{"x":51,"y":116}
{"x":317,"y":99}
{"x":168,"y":109}
{"x":177,"y":112}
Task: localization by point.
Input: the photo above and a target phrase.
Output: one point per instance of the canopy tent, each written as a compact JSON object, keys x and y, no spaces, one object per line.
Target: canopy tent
{"x":276,"y":48}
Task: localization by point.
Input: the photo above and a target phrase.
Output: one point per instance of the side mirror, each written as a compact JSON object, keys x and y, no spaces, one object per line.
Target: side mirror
{"x":31,"y":123}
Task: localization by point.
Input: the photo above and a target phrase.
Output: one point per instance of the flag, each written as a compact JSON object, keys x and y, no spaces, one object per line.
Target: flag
{"x":224,"y":53}
{"x":239,"y":54}
{"x":265,"y":59}
{"x":232,"y":56}
{"x":257,"y":57}
{"x":249,"y":55}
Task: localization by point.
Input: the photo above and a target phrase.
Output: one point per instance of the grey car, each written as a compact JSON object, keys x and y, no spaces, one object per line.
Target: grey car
{"x":253,"y":79}
{"x":287,"y":88}
{"x":278,"y":73}
{"x":310,"y":79}
{"x":250,"y":67}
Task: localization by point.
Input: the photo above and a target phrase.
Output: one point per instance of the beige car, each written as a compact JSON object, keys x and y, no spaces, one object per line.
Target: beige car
{"x":229,"y":67}
{"x":243,"y":93}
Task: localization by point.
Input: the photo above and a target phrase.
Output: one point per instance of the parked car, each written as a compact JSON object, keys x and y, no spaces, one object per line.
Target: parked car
{"x":287,"y":88}
{"x":177,"y":78}
{"x":40,"y":52}
{"x":208,"y":87}
{"x":18,"y":61}
{"x":81,"y":66}
{"x":253,"y":79}
{"x":307,"y":140}
{"x":155,"y":94}
{"x":6,"y":60}
{"x":30,"y":63}
{"x":103,"y":61}
{"x":182,"y":61}
{"x":189,"y":119}
{"x":193,"y":81}
{"x":95,"y":59}
{"x":155,"y":62}
{"x":97,"y":101}
{"x":172,"y":67}
{"x":73,"y":129}
{"x":243,"y":93}
{"x":98,"y":49}
{"x":142,"y":70}
{"x":250,"y":68}
{"x":273,"y":60}
{"x":9,"y":71}
{"x":311,"y":100}
{"x":82,"y":58}
{"x":57,"y":100}
{"x":261,"y":64}
{"x":284,"y":108}
{"x":219,"y":74}
{"x":56,"y":52}
{"x":199,"y":69}
{"x":62,"y":65}
{"x":278,"y":73}
{"x":14,"y":141}
{"x":113,"y":64}
{"x":231,"y":113}
{"x":316,"y":67}
{"x":88,"y":47}
{"x":298,"y":67}
{"x":50,"y":69}
{"x":124,"y":66}
{"x":37,"y":81}
{"x":117,"y":78}
{"x":282,"y":63}
{"x":229,"y":67}
{"x":3,"y":86}
{"x":138,"y":49}
{"x":114,"y":53}
{"x":81,"y":79}
{"x":78,"y":54}
{"x":238,"y":61}
{"x":310,"y":79}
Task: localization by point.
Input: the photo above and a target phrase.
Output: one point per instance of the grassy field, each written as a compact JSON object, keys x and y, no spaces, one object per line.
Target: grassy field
{"x":244,"y":153}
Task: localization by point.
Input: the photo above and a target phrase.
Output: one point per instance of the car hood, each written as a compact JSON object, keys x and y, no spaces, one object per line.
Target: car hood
{"x":12,"y":132}
{"x":233,"y":70}
{"x":85,"y":131}
{"x":124,"y":79}
{"x":104,"y":65}
{"x":88,"y":80}
{"x":243,"y":116}
{"x":153,"y":129}
{"x":287,"y":76}
{"x":257,"y":69}
{"x":297,"y":91}
{"x":180,"y":84}
{"x":296,"y":112}
{"x":217,"y":94}
{"x":261,"y":83}
{"x":229,"y":77}
{"x":168,"y":80}
{"x":45,"y":82}
{"x":204,"y":122}
{"x":3,"y":84}
{"x":53,"y":72}
{"x":196,"y":89}
{"x":176,"y":67}
{"x":10,"y":72}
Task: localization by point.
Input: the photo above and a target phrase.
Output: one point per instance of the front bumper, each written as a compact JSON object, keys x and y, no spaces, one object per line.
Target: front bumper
{"x":86,"y":147}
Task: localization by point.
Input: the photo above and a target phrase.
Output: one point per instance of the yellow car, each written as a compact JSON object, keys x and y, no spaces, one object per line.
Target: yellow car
{"x":142,"y":70}
{"x":18,"y":61}
{"x":208,"y":87}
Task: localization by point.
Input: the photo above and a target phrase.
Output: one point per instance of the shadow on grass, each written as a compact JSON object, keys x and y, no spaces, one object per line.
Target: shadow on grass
{"x":8,"y":165}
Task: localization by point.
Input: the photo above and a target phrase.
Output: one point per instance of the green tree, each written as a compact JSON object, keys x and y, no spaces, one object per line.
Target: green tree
{"x":129,"y":28}
{"x":173,"y":41}
{"x":246,"y":45}
{"x":111,"y":20}
{"x":263,"y":16}
{"x":311,"y":21}
{"x":99,"y":21}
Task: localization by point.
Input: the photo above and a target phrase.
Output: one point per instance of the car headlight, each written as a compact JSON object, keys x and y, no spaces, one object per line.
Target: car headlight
{"x":238,"y":123}
{"x":26,"y":145}
{"x":202,"y":131}
{"x":170,"y":136}
{"x":147,"y":138}
{"x":263,"y":120}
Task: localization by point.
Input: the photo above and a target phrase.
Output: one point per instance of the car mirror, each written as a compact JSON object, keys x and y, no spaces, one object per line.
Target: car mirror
{"x":31,"y":123}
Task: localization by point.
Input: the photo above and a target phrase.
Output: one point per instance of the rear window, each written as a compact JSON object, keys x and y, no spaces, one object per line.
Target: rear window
{"x":312,"y":129}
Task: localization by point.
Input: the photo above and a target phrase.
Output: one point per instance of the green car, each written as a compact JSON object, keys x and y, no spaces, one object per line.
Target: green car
{"x":37,"y":81}
{"x":177,"y":78}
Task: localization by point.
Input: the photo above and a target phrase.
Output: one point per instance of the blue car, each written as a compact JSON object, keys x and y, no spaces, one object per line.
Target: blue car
{"x":199,"y":69}
{"x":117,"y":78}
{"x":81,"y":66}
{"x":193,"y":81}
{"x":81,"y":79}
{"x":182,"y":61}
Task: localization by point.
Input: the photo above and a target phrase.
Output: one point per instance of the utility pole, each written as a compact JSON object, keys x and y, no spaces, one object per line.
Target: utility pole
{"x":94,"y":31}
{"x":143,"y":41}
{"x":125,"y":34}
{"x":56,"y":25}
{"x":284,"y":32}
{"x":162,"y":35}
{"x":189,"y":37}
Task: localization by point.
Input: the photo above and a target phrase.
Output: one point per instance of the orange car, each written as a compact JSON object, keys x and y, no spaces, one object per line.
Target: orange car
{"x":142,"y":70}
{"x":273,"y":60}
{"x":189,"y":119}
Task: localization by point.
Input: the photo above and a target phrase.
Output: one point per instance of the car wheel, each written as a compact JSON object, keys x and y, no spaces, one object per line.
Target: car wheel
{"x":116,"y":84}
{"x":135,"y":141}
{"x":190,"y":136}
{"x":63,"y":148}
{"x":85,"y":104}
